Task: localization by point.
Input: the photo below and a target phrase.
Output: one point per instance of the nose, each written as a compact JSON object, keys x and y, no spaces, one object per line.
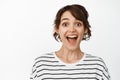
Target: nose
{"x":72,"y":29}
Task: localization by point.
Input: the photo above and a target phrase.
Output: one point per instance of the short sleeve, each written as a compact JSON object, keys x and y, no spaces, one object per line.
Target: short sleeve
{"x":33,"y":74}
{"x":105,"y":73}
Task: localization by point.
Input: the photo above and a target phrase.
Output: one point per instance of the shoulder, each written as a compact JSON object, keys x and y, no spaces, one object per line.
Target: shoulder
{"x":93,"y":58}
{"x":45,"y":57}
{"x":99,"y":64}
{"x":96,"y":60}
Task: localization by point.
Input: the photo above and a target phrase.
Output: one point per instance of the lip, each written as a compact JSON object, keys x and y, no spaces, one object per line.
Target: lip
{"x":72,"y":38}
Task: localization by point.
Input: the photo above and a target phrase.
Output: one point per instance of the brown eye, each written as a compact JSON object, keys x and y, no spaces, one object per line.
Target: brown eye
{"x":78,"y":24}
{"x":65,"y":24}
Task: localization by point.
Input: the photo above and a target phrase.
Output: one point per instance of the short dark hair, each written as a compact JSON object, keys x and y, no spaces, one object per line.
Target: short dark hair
{"x":79,"y":12}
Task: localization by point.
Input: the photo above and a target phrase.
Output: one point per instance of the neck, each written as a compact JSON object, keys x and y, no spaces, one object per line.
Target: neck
{"x":69,"y":56}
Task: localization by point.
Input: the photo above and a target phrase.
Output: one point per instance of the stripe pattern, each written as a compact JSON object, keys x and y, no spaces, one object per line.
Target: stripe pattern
{"x":47,"y":67}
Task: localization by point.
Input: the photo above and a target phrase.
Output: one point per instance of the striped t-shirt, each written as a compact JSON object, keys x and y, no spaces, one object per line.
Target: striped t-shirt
{"x":50,"y":67}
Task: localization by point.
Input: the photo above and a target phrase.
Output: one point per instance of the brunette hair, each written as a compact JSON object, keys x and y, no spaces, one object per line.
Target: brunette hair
{"x":80,"y":13}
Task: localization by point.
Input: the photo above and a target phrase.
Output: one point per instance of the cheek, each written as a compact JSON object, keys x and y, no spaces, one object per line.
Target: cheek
{"x":81,"y":33}
{"x":62,"y":33}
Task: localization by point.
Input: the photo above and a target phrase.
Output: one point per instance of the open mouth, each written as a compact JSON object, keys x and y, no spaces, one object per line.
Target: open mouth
{"x":72,"y":39}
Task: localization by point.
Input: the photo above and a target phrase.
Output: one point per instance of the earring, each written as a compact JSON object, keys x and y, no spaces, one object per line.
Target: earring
{"x":59,"y":38}
{"x":85,"y":36}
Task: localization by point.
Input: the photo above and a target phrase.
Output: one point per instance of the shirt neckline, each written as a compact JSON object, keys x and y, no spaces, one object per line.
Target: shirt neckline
{"x":69,"y":64}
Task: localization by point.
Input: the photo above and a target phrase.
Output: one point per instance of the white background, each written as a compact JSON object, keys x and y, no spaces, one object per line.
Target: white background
{"x":26,"y":28}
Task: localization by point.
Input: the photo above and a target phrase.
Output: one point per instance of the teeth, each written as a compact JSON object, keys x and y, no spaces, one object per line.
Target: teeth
{"x":72,"y":36}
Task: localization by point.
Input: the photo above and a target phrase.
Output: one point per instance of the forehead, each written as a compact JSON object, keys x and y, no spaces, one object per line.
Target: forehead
{"x":67,"y":15}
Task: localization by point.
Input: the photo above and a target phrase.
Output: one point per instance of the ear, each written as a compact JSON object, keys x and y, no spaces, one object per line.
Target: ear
{"x":56,"y":30}
{"x":86,"y":30}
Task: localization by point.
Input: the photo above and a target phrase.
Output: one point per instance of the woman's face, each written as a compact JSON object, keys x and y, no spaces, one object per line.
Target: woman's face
{"x":71,"y":31}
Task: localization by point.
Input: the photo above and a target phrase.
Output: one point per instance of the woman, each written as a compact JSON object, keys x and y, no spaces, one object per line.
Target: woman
{"x":70,"y":62}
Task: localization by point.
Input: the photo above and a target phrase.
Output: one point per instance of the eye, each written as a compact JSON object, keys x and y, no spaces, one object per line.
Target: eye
{"x":65,"y":24}
{"x":78,"y":24}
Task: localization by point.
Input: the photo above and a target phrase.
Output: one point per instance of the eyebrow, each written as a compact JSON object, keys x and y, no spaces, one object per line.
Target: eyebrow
{"x":69,"y":19}
{"x":64,"y":19}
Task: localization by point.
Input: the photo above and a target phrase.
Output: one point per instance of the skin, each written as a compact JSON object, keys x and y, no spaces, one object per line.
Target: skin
{"x":70,"y":51}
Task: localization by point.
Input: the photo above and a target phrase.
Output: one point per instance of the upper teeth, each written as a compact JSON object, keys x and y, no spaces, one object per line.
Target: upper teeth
{"x":71,"y":36}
